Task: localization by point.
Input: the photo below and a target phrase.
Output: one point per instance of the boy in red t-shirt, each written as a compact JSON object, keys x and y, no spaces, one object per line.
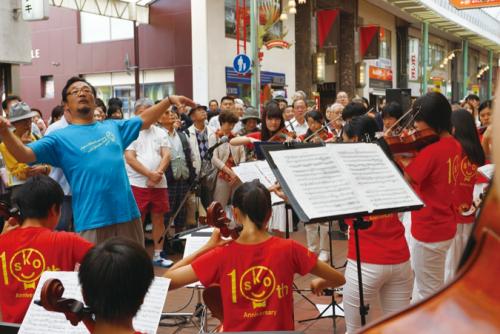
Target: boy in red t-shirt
{"x":115,"y":277}
{"x":255,"y":272}
{"x":29,"y":250}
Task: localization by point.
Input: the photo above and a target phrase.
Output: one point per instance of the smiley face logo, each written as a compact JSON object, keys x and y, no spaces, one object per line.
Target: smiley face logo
{"x":110,"y":136}
{"x":469,"y":169}
{"x":27,"y":266}
{"x":258,"y":284}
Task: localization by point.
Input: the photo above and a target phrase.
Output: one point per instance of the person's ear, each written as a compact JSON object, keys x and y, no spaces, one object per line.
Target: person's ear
{"x":236,"y":213}
{"x":53,"y":212}
{"x":356,"y":139}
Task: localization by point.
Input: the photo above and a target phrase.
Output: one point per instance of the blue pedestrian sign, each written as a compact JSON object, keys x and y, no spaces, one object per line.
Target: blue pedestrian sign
{"x":241,"y":64}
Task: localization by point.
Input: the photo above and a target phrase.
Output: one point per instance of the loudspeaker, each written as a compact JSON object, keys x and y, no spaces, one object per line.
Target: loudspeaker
{"x":400,"y":95}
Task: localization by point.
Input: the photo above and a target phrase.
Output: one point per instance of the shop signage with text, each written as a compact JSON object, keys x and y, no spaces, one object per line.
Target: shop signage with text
{"x":413,"y":46}
{"x":468,"y":4}
{"x":380,"y":77}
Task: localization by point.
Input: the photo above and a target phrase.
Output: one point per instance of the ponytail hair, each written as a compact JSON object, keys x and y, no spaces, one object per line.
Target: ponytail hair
{"x":254,"y":201}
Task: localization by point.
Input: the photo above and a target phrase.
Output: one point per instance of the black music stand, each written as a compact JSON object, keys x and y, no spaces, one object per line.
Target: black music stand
{"x":359,"y":223}
{"x":333,"y":304}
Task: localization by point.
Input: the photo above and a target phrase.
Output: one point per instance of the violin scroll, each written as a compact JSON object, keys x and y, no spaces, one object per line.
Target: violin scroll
{"x":216,"y":217}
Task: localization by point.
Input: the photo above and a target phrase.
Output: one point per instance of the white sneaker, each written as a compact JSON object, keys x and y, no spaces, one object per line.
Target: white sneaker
{"x":340,"y":291}
{"x":324,"y":256}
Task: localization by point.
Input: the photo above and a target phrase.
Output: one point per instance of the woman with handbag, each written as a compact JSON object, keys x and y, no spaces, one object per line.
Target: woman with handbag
{"x":225,"y":157}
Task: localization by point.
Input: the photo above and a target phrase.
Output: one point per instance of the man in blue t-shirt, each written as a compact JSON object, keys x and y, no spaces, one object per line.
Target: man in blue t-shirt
{"x":91,"y":156}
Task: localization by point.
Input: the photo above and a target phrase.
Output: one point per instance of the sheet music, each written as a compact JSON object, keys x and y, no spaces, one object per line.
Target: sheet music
{"x":487,"y":171}
{"x":317,"y":182}
{"x":375,"y":177}
{"x":342,"y":179}
{"x":260,"y":169}
{"x":192,"y":245}
{"x":40,"y":321}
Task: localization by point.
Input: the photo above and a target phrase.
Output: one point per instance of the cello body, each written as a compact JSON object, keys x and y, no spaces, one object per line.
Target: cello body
{"x":470,"y":303}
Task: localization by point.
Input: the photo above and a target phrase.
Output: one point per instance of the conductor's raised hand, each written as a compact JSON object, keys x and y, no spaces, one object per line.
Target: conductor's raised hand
{"x":179,"y":101}
{"x":216,"y":240}
{"x":4,"y":124}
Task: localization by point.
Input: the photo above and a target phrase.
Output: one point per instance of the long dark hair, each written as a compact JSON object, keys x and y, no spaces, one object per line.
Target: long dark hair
{"x":317,"y":116}
{"x":466,"y":134}
{"x":435,"y":111}
{"x":254,"y":201}
{"x":272,"y":110}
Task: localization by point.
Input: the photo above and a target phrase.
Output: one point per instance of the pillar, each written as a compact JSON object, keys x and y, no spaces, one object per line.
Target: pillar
{"x":425,"y":56}
{"x":465,"y":62}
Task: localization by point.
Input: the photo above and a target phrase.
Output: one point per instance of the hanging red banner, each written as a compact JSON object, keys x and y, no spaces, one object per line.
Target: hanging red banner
{"x":369,"y":38}
{"x":327,"y":31}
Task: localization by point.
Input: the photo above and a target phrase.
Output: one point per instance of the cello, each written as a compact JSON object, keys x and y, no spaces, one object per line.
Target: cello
{"x":216,"y":217}
{"x":470,"y":302}
{"x":74,"y":310}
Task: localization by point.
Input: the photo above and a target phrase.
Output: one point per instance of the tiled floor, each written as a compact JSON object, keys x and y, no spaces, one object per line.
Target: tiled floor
{"x":303,"y":309}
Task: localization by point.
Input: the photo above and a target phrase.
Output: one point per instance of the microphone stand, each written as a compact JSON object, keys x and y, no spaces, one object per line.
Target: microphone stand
{"x":194,"y":188}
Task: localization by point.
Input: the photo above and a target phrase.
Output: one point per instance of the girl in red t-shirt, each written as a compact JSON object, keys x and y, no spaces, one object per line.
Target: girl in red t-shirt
{"x":472,"y":157}
{"x":315,"y":121}
{"x":433,"y":172}
{"x":255,"y":272}
{"x":272,"y":122}
{"x":385,"y":257}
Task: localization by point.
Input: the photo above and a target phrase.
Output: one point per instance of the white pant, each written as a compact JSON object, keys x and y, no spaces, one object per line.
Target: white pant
{"x":313,"y":240}
{"x":391,"y":284}
{"x":456,"y":250}
{"x":427,"y":260}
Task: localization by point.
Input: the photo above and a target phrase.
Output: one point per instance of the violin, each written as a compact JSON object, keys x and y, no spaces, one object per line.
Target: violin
{"x":7,"y":212}
{"x":283,"y":136}
{"x":216,"y":217}
{"x":283,"y":133}
{"x":74,"y":310}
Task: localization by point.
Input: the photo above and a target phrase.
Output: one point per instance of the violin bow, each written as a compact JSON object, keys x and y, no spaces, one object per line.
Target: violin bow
{"x":369,"y":111}
{"x":284,"y":128}
{"x":413,"y":115}
{"x":323,"y":127}
{"x":400,"y":119}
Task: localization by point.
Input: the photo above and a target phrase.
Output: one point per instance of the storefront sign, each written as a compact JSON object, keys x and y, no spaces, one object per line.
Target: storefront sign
{"x":413,"y":47}
{"x":475,"y":89}
{"x":316,"y":97}
{"x":380,"y":78}
{"x":279,"y":80}
{"x":468,"y":4}
{"x":35,"y":10}
{"x":381,"y":62}
{"x":232,"y":90}
{"x":438,"y":83}
{"x":277,"y":44}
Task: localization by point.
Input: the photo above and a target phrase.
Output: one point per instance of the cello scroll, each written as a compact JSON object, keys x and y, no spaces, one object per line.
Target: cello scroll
{"x":216,"y":217}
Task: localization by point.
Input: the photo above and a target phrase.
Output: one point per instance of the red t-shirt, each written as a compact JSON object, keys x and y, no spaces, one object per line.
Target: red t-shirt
{"x":255,"y":135}
{"x":435,"y":171}
{"x":256,"y":282}
{"x":24,"y":255}
{"x":301,"y":137}
{"x":383,"y":243}
{"x":467,"y":177}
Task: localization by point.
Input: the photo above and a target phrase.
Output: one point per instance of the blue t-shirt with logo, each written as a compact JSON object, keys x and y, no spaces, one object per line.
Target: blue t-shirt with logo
{"x":91,"y":157}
